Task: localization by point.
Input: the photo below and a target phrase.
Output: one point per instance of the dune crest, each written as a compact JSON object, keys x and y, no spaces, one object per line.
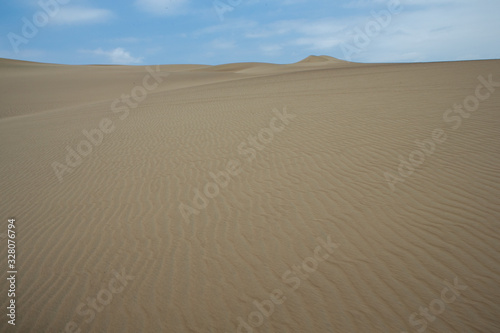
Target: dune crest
{"x":316,"y":59}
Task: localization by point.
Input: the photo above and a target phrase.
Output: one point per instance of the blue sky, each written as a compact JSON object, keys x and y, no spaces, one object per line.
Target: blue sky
{"x":144,"y":32}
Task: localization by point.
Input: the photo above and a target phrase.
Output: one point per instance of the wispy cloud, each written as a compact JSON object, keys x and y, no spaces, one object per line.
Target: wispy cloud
{"x":271,"y":50}
{"x":450,"y":32}
{"x":223,"y":44}
{"x":375,"y":3}
{"x":81,"y":15}
{"x":318,"y":43}
{"x":118,"y":56}
{"x":163,"y":7}
{"x":127,"y":40}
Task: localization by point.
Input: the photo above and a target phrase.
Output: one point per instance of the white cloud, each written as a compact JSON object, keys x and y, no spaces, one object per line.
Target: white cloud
{"x":162,"y":7}
{"x":127,"y":40}
{"x":292,"y":2}
{"x":326,"y":27}
{"x":118,"y":56}
{"x":425,"y":30}
{"x":377,"y":3}
{"x":271,"y":50}
{"x":80,"y":15}
{"x":312,"y":35}
{"x":318,"y":43}
{"x":236,"y":25}
{"x":449,"y":33}
{"x":223,"y":44}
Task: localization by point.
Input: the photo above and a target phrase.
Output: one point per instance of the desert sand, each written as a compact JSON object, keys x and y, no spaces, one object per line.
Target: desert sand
{"x":252,"y":197}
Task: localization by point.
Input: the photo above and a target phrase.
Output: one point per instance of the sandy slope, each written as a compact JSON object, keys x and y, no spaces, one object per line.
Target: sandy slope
{"x":322,"y":175}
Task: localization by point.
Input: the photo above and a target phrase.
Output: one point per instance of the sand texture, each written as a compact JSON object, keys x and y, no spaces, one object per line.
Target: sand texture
{"x":252,"y":197}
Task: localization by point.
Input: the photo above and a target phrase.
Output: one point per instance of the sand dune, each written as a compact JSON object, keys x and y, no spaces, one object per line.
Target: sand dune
{"x":208,"y":205}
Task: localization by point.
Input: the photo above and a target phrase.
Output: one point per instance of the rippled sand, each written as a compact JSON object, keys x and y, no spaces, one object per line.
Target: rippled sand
{"x":252,"y":197}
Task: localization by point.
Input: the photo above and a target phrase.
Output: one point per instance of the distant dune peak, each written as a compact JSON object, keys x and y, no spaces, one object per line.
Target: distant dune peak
{"x":322,"y":58}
